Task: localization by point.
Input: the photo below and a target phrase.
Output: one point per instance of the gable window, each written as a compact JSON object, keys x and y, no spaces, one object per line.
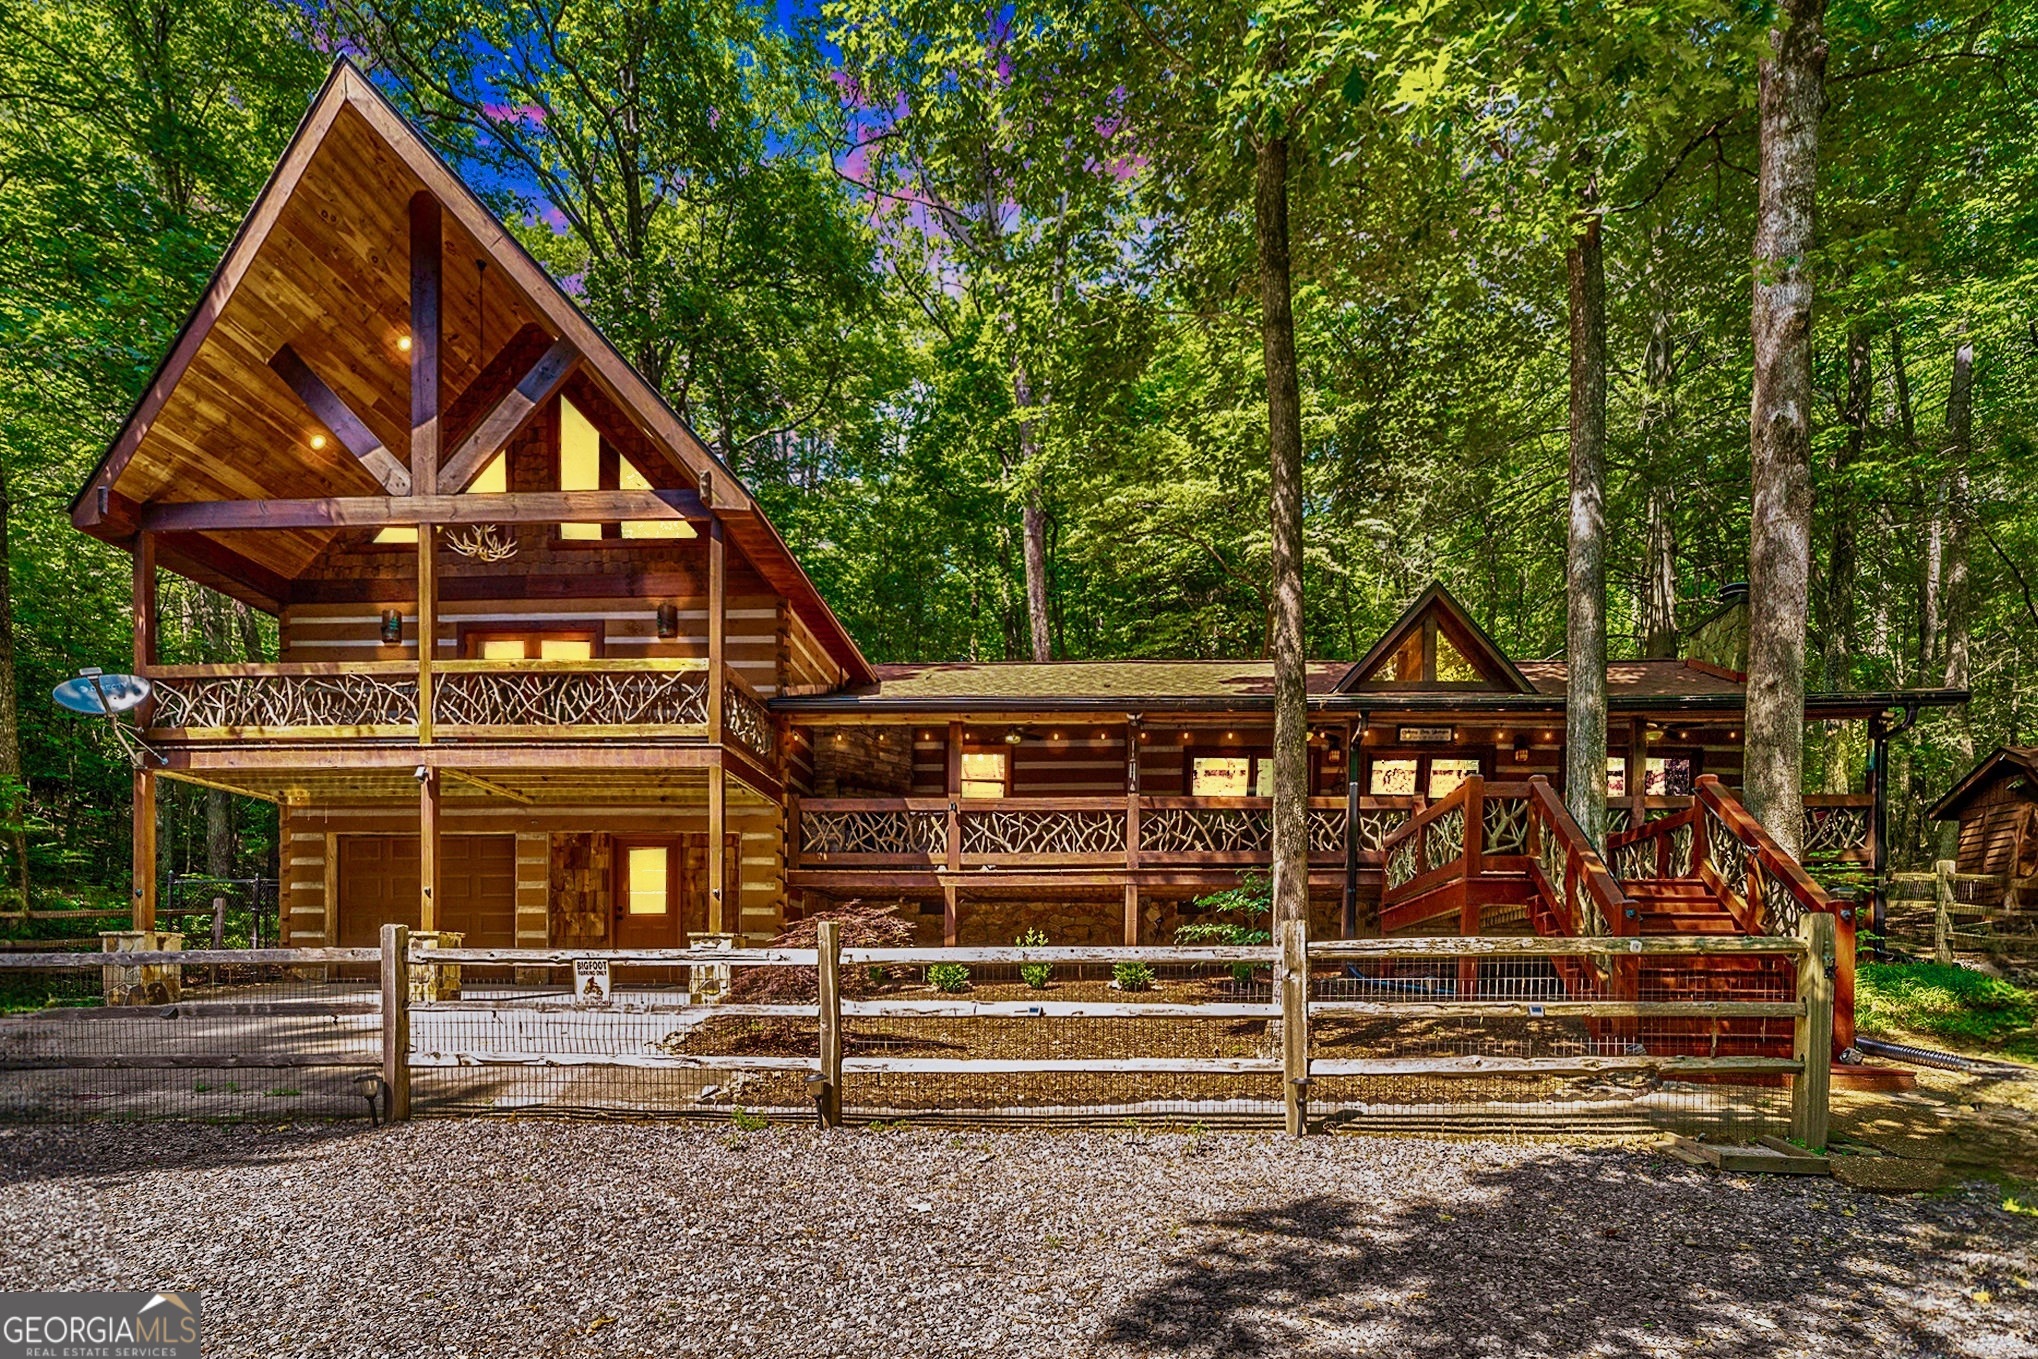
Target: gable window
{"x":586,"y":463}
{"x":986,"y":773}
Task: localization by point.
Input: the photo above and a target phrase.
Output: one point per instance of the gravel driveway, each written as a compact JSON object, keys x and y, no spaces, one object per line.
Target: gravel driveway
{"x":552,"y":1238}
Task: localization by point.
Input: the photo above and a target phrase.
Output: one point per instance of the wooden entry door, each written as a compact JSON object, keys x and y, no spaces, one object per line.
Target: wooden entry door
{"x":647,"y":894}
{"x":661,"y":889}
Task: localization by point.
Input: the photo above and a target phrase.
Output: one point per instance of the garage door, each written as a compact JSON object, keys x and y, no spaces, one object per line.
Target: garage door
{"x":378,"y":881}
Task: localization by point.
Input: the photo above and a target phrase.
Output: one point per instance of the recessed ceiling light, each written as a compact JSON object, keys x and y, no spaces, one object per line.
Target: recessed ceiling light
{"x":403,"y":343}
{"x":318,"y":441}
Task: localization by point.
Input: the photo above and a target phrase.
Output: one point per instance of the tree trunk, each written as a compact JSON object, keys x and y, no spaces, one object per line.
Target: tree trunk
{"x":1659,"y":566}
{"x":13,"y":791}
{"x":1837,"y":658}
{"x":1790,"y":99}
{"x":1959,"y":448}
{"x":1585,"y":554}
{"x":1284,"y":439}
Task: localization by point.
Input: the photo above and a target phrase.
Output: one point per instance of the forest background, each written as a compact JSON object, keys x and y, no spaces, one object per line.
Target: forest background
{"x":969,"y":297}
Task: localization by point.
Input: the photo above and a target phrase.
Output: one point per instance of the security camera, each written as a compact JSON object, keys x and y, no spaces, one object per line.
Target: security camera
{"x":421,"y":773}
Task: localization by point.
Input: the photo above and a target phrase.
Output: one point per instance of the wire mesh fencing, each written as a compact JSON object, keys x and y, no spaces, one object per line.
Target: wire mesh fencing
{"x":202,"y":1035}
{"x":1481,"y":1036}
{"x":664,"y":1033}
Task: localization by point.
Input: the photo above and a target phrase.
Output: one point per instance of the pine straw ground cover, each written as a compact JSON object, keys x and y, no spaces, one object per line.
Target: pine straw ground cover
{"x":546,"y":1238}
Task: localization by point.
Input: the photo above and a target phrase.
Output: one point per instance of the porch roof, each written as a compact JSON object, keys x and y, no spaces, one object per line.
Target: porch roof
{"x":1247,"y":685}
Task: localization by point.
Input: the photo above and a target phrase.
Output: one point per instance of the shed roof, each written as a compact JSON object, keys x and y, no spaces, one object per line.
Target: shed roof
{"x":2001,"y":760}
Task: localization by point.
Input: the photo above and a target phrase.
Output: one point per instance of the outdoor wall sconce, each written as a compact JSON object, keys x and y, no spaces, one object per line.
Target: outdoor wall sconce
{"x":392,"y":627}
{"x":668,"y":620}
{"x":1013,"y":737}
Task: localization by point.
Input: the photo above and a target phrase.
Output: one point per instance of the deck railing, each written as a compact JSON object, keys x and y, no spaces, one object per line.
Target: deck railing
{"x":1073,"y":832}
{"x":606,"y":697}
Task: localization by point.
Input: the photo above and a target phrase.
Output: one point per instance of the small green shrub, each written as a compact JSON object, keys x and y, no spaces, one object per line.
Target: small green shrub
{"x":284,"y":1092}
{"x":948,"y":977}
{"x":1956,"y":1005}
{"x":1035,"y":975}
{"x":747,"y":1120}
{"x":1133,"y":976}
{"x":1237,"y":914}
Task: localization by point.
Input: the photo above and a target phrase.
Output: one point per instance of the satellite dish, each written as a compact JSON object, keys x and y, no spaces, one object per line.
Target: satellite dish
{"x":102,"y":695}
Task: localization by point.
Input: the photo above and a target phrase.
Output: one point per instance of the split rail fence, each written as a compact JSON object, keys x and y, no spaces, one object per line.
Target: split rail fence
{"x":1947,"y":912}
{"x":1445,"y":1034}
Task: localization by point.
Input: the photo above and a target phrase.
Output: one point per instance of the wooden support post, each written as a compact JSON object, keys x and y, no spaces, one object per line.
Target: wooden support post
{"x":144,"y":849}
{"x":1132,"y":915}
{"x":396,"y":1020}
{"x":1942,"y":912}
{"x":1468,"y":966}
{"x":828,"y":955}
{"x":1637,"y":776}
{"x":144,"y":602}
{"x":954,"y":846}
{"x":948,"y":914}
{"x":1291,"y":980}
{"x":427,"y":250}
{"x":721,"y":920}
{"x":428,"y":851}
{"x":1348,"y":919}
{"x":428,"y":625}
{"x":1813,"y":1042}
{"x":718,"y":616}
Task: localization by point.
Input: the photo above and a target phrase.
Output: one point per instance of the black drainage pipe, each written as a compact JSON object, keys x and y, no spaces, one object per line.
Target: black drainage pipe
{"x":1945,"y":1061}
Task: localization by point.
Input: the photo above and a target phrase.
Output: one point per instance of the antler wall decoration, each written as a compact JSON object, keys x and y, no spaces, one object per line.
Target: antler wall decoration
{"x":483,"y":542}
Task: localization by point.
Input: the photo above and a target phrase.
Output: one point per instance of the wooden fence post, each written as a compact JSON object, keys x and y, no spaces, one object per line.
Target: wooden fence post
{"x":828,"y":967}
{"x":396,"y":1020}
{"x":1942,"y":912}
{"x":1291,"y":977}
{"x":1813,"y":1041}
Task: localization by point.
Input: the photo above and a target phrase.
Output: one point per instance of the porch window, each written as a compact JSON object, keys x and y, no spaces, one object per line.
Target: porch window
{"x":1667,"y":776}
{"x":1392,"y":778}
{"x":586,"y":465}
{"x":1616,"y":776}
{"x":1221,"y":776}
{"x":986,"y":773}
{"x":647,"y":879}
{"x":1446,"y":774}
{"x":530,"y":646}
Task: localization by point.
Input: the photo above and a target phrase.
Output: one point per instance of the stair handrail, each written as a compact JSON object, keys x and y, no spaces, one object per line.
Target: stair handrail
{"x":1570,"y":875}
{"x":1412,"y":864}
{"x":1769,"y":891}
{"x":1749,"y":865}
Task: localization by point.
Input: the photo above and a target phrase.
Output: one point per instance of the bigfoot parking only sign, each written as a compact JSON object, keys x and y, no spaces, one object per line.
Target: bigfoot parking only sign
{"x":99,"y":1325}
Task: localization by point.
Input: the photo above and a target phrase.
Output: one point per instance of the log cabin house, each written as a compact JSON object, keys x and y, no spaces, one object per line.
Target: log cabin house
{"x":549,"y":676}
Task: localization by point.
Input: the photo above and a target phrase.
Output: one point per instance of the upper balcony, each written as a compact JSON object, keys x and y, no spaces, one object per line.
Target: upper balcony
{"x":602,"y":699}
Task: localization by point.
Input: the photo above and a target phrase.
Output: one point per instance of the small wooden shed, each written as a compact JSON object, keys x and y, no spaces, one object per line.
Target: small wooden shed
{"x":1996,"y":805}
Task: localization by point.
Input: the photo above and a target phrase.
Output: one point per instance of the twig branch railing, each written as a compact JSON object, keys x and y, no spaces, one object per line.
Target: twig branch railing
{"x":1719,"y":842}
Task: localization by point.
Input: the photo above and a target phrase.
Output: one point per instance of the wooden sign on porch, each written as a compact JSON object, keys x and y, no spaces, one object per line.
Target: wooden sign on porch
{"x":591,"y":981}
{"x":1427,"y":735}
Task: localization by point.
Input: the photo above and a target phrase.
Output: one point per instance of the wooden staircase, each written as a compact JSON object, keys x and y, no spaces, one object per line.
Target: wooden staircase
{"x":1708,"y":869}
